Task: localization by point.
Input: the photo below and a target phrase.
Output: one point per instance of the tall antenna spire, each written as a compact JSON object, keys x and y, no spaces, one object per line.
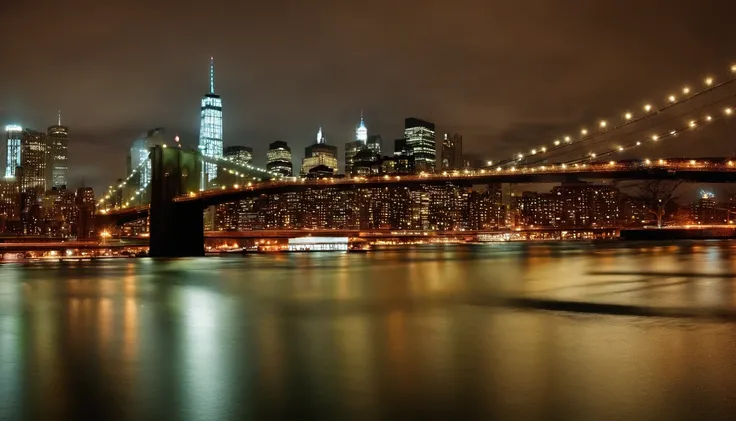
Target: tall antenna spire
{"x":212,"y":75}
{"x":59,"y":117}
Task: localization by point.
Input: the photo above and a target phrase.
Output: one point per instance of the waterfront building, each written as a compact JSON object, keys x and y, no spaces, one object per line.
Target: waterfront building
{"x":85,"y":219}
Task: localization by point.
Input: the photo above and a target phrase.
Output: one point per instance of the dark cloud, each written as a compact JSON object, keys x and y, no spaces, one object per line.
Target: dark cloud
{"x":503,"y":74}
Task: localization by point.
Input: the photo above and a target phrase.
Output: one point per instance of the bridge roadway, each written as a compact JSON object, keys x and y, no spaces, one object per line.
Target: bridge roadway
{"x":701,"y":171}
{"x":693,"y":171}
{"x":177,"y":227}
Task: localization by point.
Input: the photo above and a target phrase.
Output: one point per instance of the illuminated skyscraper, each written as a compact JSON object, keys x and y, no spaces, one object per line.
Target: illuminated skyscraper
{"x":419,"y":136}
{"x":33,"y":160}
{"x":58,"y":137}
{"x":361,"y":132}
{"x":279,"y":158}
{"x":13,"y":133}
{"x":239,"y":154}
{"x":210,"y":129}
{"x":319,"y":154}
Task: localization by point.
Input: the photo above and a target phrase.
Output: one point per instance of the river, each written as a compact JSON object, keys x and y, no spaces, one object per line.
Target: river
{"x":527,"y":331}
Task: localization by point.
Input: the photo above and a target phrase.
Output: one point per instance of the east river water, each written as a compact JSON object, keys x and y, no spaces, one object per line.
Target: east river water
{"x":518,"y":331}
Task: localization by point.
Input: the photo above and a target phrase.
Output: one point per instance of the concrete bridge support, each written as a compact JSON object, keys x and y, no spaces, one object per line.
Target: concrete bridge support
{"x":177,"y":228}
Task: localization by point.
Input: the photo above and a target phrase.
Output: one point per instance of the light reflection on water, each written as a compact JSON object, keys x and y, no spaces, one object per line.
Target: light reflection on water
{"x":504,"y":331}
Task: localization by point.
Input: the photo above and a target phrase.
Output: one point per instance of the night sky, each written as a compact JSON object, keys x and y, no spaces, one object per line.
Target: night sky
{"x":504,"y":74}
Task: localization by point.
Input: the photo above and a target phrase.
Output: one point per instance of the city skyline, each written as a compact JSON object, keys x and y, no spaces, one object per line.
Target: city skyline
{"x":514,"y":92}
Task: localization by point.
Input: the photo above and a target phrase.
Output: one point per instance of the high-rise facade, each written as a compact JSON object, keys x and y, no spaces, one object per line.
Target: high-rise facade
{"x":58,"y":138}
{"x":319,"y":155}
{"x":420,"y":137}
{"x":33,"y":161}
{"x":279,"y":158}
{"x":9,"y":206}
{"x":210,"y":129}
{"x":13,"y":136}
{"x":375,"y":143}
{"x":351,"y":149}
{"x":85,"y":202}
{"x":239,"y":154}
{"x":452,"y":152}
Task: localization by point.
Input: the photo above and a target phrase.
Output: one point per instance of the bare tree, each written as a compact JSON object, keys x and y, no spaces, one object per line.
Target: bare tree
{"x":657,"y":195}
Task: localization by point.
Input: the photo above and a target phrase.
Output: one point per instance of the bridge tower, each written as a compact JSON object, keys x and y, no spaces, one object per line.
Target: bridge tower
{"x":177,"y":229}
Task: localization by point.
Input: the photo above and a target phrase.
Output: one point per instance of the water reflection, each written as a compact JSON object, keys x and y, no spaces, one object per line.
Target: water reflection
{"x":438,"y":332}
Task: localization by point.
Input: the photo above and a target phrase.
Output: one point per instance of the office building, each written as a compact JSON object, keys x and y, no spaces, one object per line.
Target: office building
{"x":33,"y":161}
{"x":279,"y":158}
{"x":58,"y":138}
{"x":239,"y":154}
{"x":13,"y":136}
{"x":210,"y":130}
{"x":375,"y":143}
{"x":85,"y":219}
{"x":704,"y":210}
{"x":319,"y":154}
{"x":452,"y":152}
{"x":351,"y":149}
{"x":420,"y":137}
{"x":9,"y":206}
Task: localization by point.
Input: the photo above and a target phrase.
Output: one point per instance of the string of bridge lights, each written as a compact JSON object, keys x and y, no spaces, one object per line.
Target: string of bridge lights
{"x":628,"y":117}
{"x":110,"y":189}
{"x":243,"y":165}
{"x":694,"y":124}
{"x":143,"y":188}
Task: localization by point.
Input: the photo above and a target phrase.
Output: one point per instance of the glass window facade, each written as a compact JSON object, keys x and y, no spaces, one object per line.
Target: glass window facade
{"x":14,"y":133}
{"x":279,"y":158}
{"x":210,"y":135}
{"x":420,"y":137}
{"x":58,"y":144}
{"x":33,"y":160}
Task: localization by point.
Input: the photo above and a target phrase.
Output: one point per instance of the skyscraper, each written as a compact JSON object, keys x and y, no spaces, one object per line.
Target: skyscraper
{"x":452,"y":152}
{"x":351,"y":149}
{"x":58,"y":138}
{"x":138,"y":157}
{"x":239,"y":154}
{"x":374,"y":143}
{"x":319,"y":154}
{"x":419,"y":136}
{"x":85,"y":203}
{"x":13,"y":134}
{"x":279,"y":158}
{"x":33,"y":160}
{"x":210,"y":129}
{"x":361,"y":131}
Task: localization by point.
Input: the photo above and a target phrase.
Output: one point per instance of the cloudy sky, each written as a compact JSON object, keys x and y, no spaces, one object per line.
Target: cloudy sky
{"x":504,"y":74}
